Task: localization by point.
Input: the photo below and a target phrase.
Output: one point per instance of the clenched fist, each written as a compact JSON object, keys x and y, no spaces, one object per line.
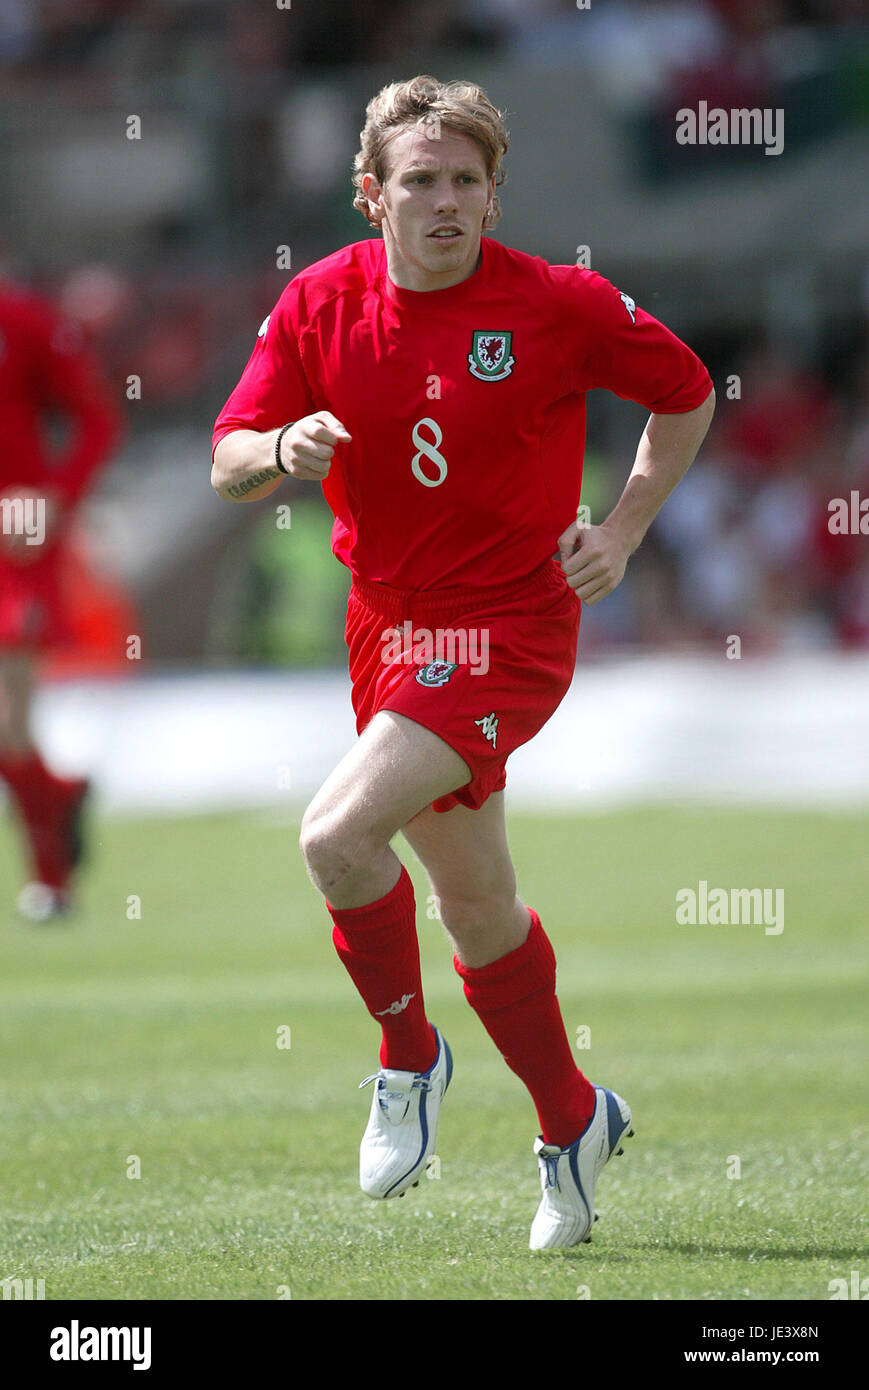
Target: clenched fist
{"x":308,"y":445}
{"x":593,"y":560}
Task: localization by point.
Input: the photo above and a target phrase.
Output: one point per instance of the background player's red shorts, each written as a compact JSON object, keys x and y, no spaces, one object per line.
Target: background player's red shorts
{"x":32,"y":608}
{"x":484,"y":669}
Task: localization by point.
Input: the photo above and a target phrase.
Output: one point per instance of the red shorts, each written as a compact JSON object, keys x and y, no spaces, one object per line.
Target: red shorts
{"x":32,"y":607}
{"x":482,"y":668}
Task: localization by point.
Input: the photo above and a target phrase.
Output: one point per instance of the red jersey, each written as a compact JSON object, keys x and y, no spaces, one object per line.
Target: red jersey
{"x":46,"y":368}
{"x":466,"y":405}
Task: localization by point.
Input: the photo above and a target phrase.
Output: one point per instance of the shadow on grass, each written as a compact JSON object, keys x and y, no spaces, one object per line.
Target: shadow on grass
{"x":755,"y":1256}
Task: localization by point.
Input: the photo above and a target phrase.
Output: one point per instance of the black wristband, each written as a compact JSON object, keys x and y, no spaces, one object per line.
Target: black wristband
{"x":278,"y":464}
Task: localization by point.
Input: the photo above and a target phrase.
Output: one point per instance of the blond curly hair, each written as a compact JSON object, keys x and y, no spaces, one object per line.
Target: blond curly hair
{"x":427,"y":103}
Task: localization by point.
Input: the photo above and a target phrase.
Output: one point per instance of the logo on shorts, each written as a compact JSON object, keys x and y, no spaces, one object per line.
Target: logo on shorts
{"x":489,"y":358}
{"x":436,"y":672}
{"x":489,"y":728}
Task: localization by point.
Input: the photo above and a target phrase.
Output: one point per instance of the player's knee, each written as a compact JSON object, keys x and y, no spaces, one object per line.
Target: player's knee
{"x":13,"y":731}
{"x":320,"y":848}
{"x":332,"y":854}
{"x":467,"y":915}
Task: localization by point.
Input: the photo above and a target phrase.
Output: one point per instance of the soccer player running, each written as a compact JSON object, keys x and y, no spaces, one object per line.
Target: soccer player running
{"x":46,"y":371}
{"x":433,"y":381}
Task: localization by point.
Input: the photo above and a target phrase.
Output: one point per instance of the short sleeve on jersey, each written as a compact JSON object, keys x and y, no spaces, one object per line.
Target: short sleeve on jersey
{"x":273,"y":388}
{"x":615,"y":345}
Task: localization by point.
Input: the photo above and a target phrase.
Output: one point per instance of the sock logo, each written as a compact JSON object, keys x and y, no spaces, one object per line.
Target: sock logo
{"x":397,"y":1006}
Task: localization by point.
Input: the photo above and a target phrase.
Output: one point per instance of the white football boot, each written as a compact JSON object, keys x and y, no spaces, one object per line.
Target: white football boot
{"x":400,"y":1136}
{"x":38,"y":902}
{"x":567,"y":1176}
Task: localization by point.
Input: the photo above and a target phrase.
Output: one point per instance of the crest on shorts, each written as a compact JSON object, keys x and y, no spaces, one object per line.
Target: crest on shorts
{"x":490,"y":358}
{"x":436,"y":672}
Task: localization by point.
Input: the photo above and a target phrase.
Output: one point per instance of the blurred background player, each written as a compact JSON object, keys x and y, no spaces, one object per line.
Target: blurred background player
{"x":48,"y":379}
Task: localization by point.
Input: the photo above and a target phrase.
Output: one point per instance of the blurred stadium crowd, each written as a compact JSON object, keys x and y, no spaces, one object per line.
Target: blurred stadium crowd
{"x":171,"y":280}
{"x":662,"y":37}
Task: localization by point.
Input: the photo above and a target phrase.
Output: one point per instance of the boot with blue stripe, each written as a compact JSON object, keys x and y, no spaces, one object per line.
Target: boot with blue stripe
{"x":568,"y":1176}
{"x":402,"y":1127}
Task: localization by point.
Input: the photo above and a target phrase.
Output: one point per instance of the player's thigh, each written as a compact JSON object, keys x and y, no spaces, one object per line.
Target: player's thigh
{"x":395,"y":768}
{"x":465,"y":853}
{"x":17,"y":683}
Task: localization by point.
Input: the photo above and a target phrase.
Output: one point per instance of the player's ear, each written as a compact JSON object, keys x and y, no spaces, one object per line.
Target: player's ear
{"x":372,"y":191}
{"x":489,"y":219}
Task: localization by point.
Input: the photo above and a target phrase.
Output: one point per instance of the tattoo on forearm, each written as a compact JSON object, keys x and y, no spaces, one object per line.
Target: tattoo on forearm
{"x":251,"y":484}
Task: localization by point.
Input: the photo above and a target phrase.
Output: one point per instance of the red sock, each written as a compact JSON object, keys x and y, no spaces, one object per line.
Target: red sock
{"x":39,"y":796}
{"x":380,"y":951}
{"x":516,"y":1003}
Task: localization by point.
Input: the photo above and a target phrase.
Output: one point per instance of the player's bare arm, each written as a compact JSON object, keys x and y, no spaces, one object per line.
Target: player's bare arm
{"x":245,"y":470}
{"x":594,"y":558}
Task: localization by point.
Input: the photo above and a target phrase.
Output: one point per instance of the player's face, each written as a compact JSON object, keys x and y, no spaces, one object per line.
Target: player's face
{"x":432,"y":206}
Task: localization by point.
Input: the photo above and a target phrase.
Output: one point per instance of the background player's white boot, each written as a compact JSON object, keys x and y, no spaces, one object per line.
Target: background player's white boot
{"x":567,"y":1176}
{"x":402,"y":1127}
{"x":39,"y":902}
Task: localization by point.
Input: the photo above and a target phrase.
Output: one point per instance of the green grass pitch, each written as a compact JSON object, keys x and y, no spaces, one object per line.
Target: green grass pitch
{"x":149,"y":1046}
